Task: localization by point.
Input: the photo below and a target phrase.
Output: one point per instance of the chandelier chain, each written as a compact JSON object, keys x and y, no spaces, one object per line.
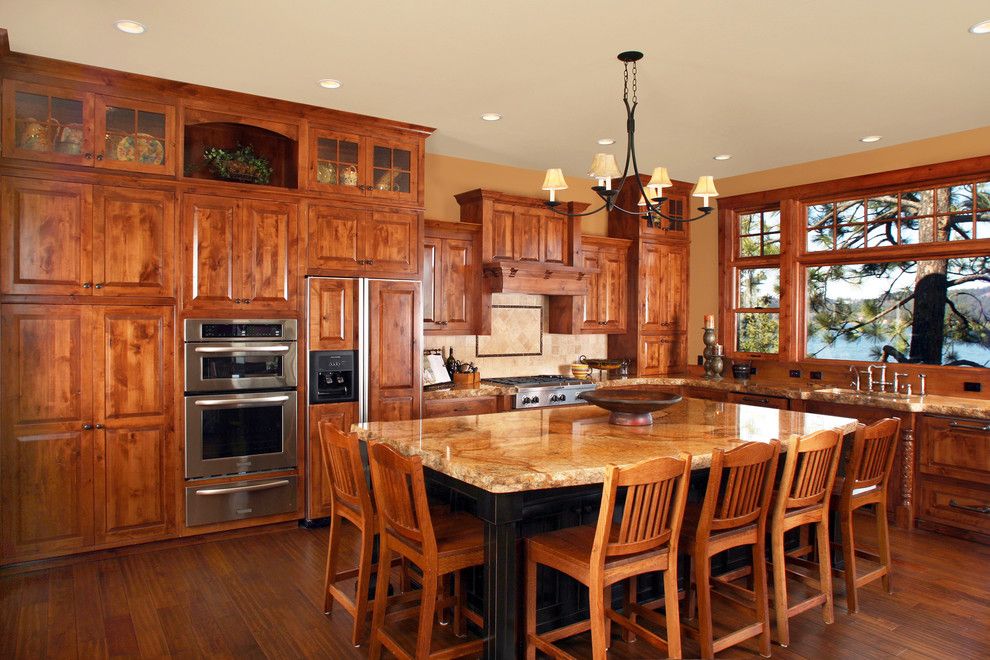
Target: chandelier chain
{"x":625,"y":83}
{"x":635,"y":100}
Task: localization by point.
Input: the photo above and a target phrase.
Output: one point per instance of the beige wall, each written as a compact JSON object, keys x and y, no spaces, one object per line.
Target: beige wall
{"x":867,"y":160}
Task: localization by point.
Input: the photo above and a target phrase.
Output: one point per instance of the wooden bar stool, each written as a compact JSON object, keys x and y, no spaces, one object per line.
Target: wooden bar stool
{"x":733,"y":514}
{"x":867,"y":474}
{"x":802,"y":498}
{"x":450,"y":543}
{"x":643,"y":541}
{"x":350,"y":500}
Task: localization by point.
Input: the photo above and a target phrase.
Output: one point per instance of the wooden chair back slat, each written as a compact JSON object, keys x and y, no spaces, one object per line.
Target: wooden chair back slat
{"x":873,"y":455}
{"x":809,"y":470}
{"x":342,"y":466}
{"x":656,"y":493}
{"x":750,"y":471}
{"x":400,"y":493}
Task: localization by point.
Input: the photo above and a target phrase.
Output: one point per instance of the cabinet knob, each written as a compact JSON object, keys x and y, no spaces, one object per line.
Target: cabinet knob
{"x":237,"y":301}
{"x":246,"y":301}
{"x":87,"y":427}
{"x":88,"y":156}
{"x":87,"y":285}
{"x":369,"y":261}
{"x":98,"y":285}
{"x":99,"y":156}
{"x":99,"y":426}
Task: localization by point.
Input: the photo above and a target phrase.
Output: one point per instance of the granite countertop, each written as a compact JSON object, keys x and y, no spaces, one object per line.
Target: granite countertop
{"x":467,"y":391}
{"x":554,"y":447}
{"x":932,"y":404}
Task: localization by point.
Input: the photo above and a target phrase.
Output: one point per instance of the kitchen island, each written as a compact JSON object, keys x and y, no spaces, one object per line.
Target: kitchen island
{"x":518,"y":466}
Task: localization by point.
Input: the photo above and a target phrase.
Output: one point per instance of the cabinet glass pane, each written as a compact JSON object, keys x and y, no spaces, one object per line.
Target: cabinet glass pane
{"x":46,"y":123}
{"x":336,"y":162}
{"x":392,"y":169}
{"x":135,"y":136}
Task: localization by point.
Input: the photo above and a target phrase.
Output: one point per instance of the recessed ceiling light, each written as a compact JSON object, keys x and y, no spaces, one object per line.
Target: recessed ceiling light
{"x":606,"y":141}
{"x":130,"y":27}
{"x":722,"y":157}
{"x":983,"y":27}
{"x":491,"y":116}
{"x":871,"y":138}
{"x":329,"y":83}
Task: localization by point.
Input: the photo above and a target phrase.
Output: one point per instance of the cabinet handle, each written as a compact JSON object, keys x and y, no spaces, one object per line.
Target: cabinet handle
{"x":247,"y":301}
{"x":98,"y":285}
{"x":749,"y":399}
{"x":99,"y":156}
{"x":87,"y":427}
{"x":243,"y":489}
{"x":88,"y":156}
{"x":99,"y":426}
{"x":237,"y":301}
{"x":369,"y":261}
{"x":87,"y":285}
{"x":985,"y":510}
{"x":956,"y":425}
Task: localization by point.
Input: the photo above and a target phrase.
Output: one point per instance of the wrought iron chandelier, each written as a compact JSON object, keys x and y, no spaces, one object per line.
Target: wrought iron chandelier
{"x":604,"y":169}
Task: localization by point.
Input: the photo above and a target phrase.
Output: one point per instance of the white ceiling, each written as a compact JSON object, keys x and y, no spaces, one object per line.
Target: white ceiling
{"x":772,"y":82}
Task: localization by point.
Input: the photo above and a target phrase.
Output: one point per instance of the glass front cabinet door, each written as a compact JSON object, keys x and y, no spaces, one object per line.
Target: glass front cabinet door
{"x":394,"y":169}
{"x":134,"y":135}
{"x":337,"y":162}
{"x":47,"y":123}
{"x":80,"y":128}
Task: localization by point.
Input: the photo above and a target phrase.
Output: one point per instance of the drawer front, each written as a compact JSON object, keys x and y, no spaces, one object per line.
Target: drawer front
{"x":955,"y":505}
{"x":240,"y":499}
{"x":778,"y":402}
{"x":957,"y":448}
{"x":455,"y":407}
{"x":705,"y":393}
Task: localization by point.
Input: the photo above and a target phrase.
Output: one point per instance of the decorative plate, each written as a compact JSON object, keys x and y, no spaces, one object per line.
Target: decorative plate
{"x":326,"y":173}
{"x":142,"y":148}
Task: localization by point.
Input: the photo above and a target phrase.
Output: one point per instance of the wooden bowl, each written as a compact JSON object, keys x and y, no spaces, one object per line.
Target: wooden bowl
{"x":631,"y":406}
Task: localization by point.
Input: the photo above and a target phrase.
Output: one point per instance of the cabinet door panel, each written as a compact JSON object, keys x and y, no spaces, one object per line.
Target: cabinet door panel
{"x":651,"y":303}
{"x":674,"y":274}
{"x":333,"y":237}
{"x":46,"y":457}
{"x":391,"y":242}
{"x":395,"y":359}
{"x":613,"y":289}
{"x":134,"y":370}
{"x":555,"y":238}
{"x":267,"y":256}
{"x":458,"y":291}
{"x":394,"y":169}
{"x":47,"y":237}
{"x":332,"y":319}
{"x":208,"y":229}
{"x":47,"y":123}
{"x":133,"y":242}
{"x":660,"y":355}
{"x":341,"y":415}
{"x":956,"y":448}
{"x":135,"y":135}
{"x":433,"y":278}
{"x":336,"y":162}
{"x":527,"y":236}
{"x":592,"y":318}
{"x":502,"y":232}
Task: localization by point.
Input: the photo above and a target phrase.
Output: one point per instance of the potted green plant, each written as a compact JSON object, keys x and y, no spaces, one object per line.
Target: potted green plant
{"x":240,"y":164}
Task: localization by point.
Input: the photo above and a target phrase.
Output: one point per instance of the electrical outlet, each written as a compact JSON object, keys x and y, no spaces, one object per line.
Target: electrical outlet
{"x":795,"y":373}
{"x":701,"y":360}
{"x":970,"y":386}
{"x":752,"y":371}
{"x":816,"y":375}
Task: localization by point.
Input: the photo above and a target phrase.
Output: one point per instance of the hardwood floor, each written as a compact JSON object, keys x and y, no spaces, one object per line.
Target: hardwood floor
{"x":260,"y":596}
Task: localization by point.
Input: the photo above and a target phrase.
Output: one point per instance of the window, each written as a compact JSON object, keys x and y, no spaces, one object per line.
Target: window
{"x":953,"y":213}
{"x":758,"y":233}
{"x":757,"y":310}
{"x":932,"y":312}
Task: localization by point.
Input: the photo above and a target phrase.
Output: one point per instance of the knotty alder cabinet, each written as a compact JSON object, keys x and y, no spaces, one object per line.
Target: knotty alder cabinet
{"x":76,"y":239}
{"x":453,"y":303}
{"x":395,"y":355}
{"x":346,"y":240}
{"x":342,"y":416}
{"x":87,"y":432}
{"x":239,"y":252}
{"x":603,"y":310}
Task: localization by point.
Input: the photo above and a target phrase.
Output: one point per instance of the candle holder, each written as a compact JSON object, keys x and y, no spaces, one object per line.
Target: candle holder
{"x":713,"y":359}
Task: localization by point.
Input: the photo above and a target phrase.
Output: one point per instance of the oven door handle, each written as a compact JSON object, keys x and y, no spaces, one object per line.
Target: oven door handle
{"x":234,"y":402}
{"x":243,"y":489}
{"x":279,"y":348}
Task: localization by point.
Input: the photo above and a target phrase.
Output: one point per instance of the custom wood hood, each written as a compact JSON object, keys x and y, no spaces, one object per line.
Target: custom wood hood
{"x":526,"y":247}
{"x":536,"y":278}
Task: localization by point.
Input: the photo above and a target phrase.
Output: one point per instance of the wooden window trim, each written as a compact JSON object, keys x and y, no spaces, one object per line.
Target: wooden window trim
{"x":794,"y":257}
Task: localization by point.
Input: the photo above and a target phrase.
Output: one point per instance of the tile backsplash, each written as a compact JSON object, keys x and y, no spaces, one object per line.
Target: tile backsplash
{"x":513,"y":330}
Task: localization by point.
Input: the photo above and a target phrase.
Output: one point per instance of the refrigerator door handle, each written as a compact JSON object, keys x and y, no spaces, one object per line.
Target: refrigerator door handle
{"x":363,"y":348}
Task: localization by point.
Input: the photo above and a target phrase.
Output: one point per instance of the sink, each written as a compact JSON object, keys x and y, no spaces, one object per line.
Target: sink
{"x":891,"y":396}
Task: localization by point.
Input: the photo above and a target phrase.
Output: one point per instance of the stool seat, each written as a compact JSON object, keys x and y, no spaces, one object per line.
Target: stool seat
{"x":460,"y":534}
{"x":573,"y":545}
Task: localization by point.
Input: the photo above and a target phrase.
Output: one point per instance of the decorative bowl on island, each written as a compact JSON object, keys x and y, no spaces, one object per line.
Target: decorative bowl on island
{"x":631,"y":406}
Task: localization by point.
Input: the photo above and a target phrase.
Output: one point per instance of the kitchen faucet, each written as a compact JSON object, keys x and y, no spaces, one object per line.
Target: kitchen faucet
{"x":855,"y":372}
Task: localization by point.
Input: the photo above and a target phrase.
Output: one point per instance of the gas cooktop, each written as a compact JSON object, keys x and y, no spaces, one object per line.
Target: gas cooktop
{"x":545,"y":390}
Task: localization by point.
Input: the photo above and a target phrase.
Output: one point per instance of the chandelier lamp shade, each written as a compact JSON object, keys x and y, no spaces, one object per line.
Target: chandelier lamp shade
{"x":604,"y":169}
